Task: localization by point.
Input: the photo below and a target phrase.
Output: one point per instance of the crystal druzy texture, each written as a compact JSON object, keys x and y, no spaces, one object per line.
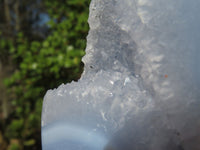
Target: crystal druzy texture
{"x":140,"y":89}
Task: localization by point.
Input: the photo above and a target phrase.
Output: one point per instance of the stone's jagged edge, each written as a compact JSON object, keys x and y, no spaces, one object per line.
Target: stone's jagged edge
{"x":107,"y":43}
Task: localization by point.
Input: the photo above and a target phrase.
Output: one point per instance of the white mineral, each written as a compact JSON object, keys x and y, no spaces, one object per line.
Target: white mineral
{"x":140,"y":89}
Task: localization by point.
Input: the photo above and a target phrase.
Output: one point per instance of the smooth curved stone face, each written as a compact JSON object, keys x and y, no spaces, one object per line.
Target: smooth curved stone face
{"x":62,"y":135}
{"x":140,"y":88}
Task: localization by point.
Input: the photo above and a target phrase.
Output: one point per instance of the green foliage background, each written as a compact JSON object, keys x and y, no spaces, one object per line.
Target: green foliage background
{"x":41,"y":64}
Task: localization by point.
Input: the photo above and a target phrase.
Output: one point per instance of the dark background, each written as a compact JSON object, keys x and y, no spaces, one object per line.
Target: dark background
{"x":41,"y":46}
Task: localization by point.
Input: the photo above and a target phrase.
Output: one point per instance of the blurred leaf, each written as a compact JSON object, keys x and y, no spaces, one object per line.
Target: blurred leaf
{"x":29,"y":142}
{"x":14,"y":146}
